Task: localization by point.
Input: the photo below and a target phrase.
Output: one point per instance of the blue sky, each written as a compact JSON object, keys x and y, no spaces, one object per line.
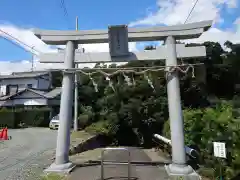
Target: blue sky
{"x":49,"y":15}
{"x":93,"y":14}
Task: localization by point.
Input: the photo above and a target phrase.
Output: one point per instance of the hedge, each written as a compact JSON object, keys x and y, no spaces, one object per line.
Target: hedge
{"x":30,"y":117}
{"x":205,"y":126}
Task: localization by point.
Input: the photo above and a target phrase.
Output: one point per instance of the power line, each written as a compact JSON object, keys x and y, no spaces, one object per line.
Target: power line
{"x":191,"y":11}
{"x":19,"y":42}
{"x":64,"y":7}
{"x":14,"y":43}
{"x":65,"y":11}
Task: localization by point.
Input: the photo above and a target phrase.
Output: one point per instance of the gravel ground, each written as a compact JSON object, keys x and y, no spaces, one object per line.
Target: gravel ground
{"x":26,"y":155}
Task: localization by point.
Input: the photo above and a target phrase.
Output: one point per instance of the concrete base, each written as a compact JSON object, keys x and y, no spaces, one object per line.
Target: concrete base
{"x":60,"y":168}
{"x":186,"y":173}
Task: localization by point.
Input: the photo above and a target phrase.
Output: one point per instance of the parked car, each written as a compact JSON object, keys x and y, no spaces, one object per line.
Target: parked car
{"x":54,"y":122}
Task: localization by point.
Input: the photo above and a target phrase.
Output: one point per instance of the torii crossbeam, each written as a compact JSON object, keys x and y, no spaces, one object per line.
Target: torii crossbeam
{"x":105,"y":57}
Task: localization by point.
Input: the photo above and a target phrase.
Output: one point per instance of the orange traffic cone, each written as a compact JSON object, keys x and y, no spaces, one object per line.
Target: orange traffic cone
{"x":1,"y":134}
{"x":5,"y":134}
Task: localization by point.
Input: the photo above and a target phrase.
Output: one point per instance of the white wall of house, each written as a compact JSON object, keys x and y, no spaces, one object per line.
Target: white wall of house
{"x":39,"y":82}
{"x":44,"y":82}
{"x":20,"y":82}
{"x":26,"y":98}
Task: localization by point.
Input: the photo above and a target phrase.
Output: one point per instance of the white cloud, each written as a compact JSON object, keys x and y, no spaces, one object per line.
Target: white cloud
{"x":104,"y":47}
{"x":172,"y":12}
{"x":7,"y":67}
{"x":237,"y":21}
{"x":26,"y":36}
{"x":217,"y":35}
{"x":176,"y":11}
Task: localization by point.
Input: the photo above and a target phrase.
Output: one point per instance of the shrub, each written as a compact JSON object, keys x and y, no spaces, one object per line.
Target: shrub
{"x":11,"y":118}
{"x":203,"y":127}
{"x":103,"y":127}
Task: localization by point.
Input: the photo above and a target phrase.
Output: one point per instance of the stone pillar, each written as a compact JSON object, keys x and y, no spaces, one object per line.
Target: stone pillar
{"x":178,"y":168}
{"x":62,"y":163}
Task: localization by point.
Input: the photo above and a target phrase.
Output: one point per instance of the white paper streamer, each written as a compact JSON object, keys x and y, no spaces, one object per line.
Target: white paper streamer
{"x":110,"y":84}
{"x":149,"y":81}
{"x":127,"y":80}
{"x":95,"y":85}
{"x":133,"y":80}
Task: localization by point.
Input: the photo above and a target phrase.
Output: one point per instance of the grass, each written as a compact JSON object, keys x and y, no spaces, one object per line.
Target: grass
{"x":206,"y":173}
{"x":94,"y":154}
{"x":53,"y":176}
{"x":80,"y":134}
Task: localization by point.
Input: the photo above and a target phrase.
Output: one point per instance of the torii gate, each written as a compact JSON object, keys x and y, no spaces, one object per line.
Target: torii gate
{"x":118,"y":38}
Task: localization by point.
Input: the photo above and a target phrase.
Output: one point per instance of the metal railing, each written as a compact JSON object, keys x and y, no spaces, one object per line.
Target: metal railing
{"x":189,"y":151}
{"x":115,"y":162}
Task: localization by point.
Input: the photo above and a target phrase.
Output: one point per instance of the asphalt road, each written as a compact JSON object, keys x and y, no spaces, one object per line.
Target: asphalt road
{"x":28,"y":152}
{"x":139,"y":170}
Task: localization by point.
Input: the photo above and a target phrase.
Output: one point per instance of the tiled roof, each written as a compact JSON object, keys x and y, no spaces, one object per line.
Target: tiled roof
{"x":3,"y":98}
{"x":23,"y":75}
{"x":49,"y":95}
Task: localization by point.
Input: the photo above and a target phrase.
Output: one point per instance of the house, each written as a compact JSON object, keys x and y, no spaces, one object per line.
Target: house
{"x":28,"y":89}
{"x":36,"y":79}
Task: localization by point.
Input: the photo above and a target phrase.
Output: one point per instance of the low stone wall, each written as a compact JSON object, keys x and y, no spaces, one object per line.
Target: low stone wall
{"x":92,"y":142}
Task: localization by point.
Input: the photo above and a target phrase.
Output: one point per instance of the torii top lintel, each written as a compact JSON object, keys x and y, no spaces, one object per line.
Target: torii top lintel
{"x":185,"y":31}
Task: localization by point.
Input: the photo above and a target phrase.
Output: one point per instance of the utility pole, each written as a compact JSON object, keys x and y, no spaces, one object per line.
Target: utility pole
{"x":76,"y":92}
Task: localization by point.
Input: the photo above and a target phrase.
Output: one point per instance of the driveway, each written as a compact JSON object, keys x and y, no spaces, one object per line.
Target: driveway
{"x":141,"y":167}
{"x":28,"y":152}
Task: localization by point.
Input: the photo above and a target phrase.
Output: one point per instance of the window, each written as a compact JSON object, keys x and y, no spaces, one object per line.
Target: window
{"x":29,"y":86}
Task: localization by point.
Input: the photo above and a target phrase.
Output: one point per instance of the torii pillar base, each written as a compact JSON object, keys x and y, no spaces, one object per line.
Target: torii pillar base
{"x":181,"y":173}
{"x":60,"y":168}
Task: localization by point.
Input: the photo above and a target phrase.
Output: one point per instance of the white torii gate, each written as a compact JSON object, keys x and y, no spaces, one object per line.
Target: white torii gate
{"x":118,"y":38}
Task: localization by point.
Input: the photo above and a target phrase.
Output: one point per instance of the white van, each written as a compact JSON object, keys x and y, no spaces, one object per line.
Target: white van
{"x":54,"y":122}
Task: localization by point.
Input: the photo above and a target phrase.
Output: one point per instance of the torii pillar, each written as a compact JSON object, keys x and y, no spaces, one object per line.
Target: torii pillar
{"x":118,"y":41}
